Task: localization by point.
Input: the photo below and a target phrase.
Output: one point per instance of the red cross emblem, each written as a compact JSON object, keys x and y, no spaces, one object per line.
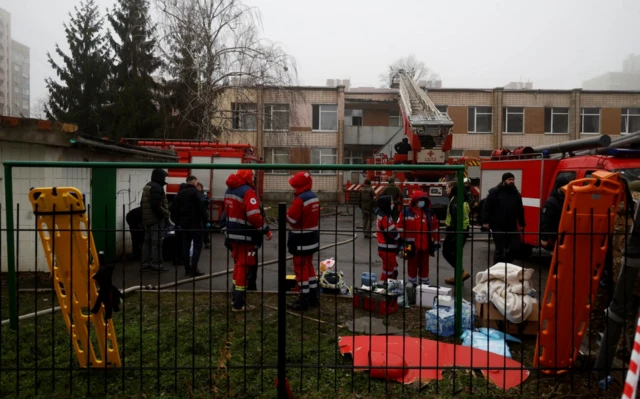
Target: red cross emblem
{"x":430,"y":153}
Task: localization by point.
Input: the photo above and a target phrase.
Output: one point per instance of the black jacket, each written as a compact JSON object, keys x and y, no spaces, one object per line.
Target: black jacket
{"x":187,"y":208}
{"x":552,"y":211}
{"x":503,"y":209}
{"x":154,"y":202}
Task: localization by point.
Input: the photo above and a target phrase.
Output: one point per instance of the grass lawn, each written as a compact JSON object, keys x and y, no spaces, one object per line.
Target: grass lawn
{"x":182,"y":345}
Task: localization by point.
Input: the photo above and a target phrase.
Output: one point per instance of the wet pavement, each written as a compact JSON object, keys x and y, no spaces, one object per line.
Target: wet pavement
{"x":353,"y":257}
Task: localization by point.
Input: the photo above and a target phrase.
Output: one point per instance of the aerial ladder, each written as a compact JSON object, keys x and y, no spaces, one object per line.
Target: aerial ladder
{"x":426,"y":127}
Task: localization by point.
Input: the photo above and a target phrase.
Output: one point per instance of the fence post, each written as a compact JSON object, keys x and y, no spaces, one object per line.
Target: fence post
{"x":11,"y":255}
{"x":282,"y":300}
{"x":459,"y":250}
{"x":103,"y":210}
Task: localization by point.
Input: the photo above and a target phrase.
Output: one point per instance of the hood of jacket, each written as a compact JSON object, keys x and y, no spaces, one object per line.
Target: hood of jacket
{"x":159,"y":176}
{"x":559,"y":183}
{"x":235,"y":181}
{"x":301,"y":182}
{"x":420,"y":195}
{"x":384,"y":204}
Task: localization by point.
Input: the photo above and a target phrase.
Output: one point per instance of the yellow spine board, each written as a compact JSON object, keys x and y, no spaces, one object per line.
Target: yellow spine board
{"x":62,"y":225}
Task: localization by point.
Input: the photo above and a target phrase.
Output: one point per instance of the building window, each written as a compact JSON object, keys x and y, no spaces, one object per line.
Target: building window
{"x":630,"y":122}
{"x":556,"y":120}
{"x":277,"y":155}
{"x":25,"y":104}
{"x":16,"y":68}
{"x":25,"y":91}
{"x":456,"y":153}
{"x":244,"y":116}
{"x":513,"y":120}
{"x":443,"y":109}
{"x":590,"y":120}
{"x":353,"y":117}
{"x":324,"y":156}
{"x":276,"y":117}
{"x":394,"y":119}
{"x":485,"y":153}
{"x":479,"y":119}
{"x":325,"y":117}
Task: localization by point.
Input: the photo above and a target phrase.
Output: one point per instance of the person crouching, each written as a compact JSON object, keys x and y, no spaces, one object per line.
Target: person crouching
{"x":389,"y":240}
{"x":303,"y":218}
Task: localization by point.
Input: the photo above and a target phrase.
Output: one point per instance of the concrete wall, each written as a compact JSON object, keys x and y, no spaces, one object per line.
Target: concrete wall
{"x":30,"y":256}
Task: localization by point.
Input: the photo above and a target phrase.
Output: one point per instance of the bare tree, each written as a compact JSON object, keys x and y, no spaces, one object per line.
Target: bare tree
{"x":214,"y":55}
{"x":417,"y":69}
{"x":39,"y":106}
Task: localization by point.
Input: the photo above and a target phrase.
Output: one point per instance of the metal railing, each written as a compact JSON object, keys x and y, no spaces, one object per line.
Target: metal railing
{"x":178,"y":336}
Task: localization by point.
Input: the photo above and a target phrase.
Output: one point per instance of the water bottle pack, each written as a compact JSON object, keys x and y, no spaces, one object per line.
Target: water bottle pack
{"x":441,"y":320}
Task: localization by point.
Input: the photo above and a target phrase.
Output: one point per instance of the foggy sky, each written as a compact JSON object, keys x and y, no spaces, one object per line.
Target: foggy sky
{"x":556,"y":44}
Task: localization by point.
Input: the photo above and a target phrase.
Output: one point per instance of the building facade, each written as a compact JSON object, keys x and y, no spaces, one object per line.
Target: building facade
{"x":332,"y":125}
{"x":14,"y":72}
{"x":20,"y":80}
{"x":628,"y":79}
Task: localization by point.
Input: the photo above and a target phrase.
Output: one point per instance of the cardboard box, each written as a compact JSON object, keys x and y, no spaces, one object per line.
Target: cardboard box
{"x":489,"y":316}
{"x":425,"y":294}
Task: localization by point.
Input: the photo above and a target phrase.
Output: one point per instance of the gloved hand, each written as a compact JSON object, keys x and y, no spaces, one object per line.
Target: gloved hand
{"x":269,"y":235}
{"x":108,"y":294}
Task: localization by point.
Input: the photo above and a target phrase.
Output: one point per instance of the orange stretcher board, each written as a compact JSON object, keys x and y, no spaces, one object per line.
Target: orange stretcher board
{"x":589,"y":209}
{"x":62,"y":225}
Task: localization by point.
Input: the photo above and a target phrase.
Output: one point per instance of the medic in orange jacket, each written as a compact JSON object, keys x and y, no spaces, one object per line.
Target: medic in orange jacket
{"x":415,"y":223}
{"x":245,"y":226}
{"x":303,"y":218}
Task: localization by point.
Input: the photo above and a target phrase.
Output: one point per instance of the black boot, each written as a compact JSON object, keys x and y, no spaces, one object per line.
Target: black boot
{"x":240,"y":303}
{"x":313,"y":296}
{"x":301,"y":304}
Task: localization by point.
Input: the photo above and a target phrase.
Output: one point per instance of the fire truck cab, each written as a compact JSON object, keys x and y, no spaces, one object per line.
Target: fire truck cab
{"x":535,"y":175}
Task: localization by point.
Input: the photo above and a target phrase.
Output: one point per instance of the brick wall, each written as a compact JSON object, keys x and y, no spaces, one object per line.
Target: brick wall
{"x":535,"y":99}
{"x":532,"y":140}
{"x":461,"y":98}
{"x":472,"y":141}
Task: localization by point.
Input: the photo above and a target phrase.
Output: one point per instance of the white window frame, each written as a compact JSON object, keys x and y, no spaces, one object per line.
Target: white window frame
{"x":475,"y":119}
{"x":443,"y":107}
{"x":583,"y":114}
{"x":279,"y":151}
{"x":241,"y":110}
{"x":322,"y":156}
{"x":625,"y":115}
{"x":320,"y":112}
{"x":507,"y":111}
{"x":271,"y":114}
{"x":395,"y":116}
{"x":556,"y":111}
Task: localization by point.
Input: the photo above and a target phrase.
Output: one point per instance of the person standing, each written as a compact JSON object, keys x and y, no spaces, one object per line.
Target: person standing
{"x":389,"y":239}
{"x":245,"y":226}
{"x":188,"y":211}
{"x":367,"y":205}
{"x":449,"y":250}
{"x":155,"y":213}
{"x":303,"y":239}
{"x":134,"y":220}
{"x":396,"y":196}
{"x":503,"y":214}
{"x":551,"y":213}
{"x":415,"y":226}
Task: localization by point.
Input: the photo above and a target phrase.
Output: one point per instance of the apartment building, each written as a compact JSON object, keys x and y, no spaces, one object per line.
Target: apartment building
{"x":333,"y":125}
{"x":14,"y":72}
{"x":20,"y":80}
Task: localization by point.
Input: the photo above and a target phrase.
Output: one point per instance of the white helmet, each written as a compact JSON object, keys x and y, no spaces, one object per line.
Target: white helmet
{"x":467,"y":180}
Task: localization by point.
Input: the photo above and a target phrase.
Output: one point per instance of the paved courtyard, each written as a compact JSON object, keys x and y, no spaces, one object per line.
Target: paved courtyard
{"x":353,"y":257}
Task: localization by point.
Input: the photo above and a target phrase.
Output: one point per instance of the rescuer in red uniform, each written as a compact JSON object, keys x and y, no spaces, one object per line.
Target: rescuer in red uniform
{"x":389,"y":240}
{"x":245,"y":226}
{"x":303,"y":218}
{"x":415,"y":225}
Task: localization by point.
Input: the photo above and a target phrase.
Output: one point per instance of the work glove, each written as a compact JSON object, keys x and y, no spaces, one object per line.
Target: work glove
{"x":108,"y":294}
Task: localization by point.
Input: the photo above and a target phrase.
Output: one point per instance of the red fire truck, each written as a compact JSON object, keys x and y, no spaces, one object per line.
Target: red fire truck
{"x":213,"y":180}
{"x":535,"y":171}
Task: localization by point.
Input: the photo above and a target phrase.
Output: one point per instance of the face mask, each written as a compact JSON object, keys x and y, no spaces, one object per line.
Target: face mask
{"x":420,"y":204}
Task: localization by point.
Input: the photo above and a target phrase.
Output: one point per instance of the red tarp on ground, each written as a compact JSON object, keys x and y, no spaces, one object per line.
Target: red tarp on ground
{"x":387,"y":352}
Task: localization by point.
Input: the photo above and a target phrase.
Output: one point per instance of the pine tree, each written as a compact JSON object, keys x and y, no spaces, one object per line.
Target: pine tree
{"x":81,"y":97}
{"x":134,"y":92}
